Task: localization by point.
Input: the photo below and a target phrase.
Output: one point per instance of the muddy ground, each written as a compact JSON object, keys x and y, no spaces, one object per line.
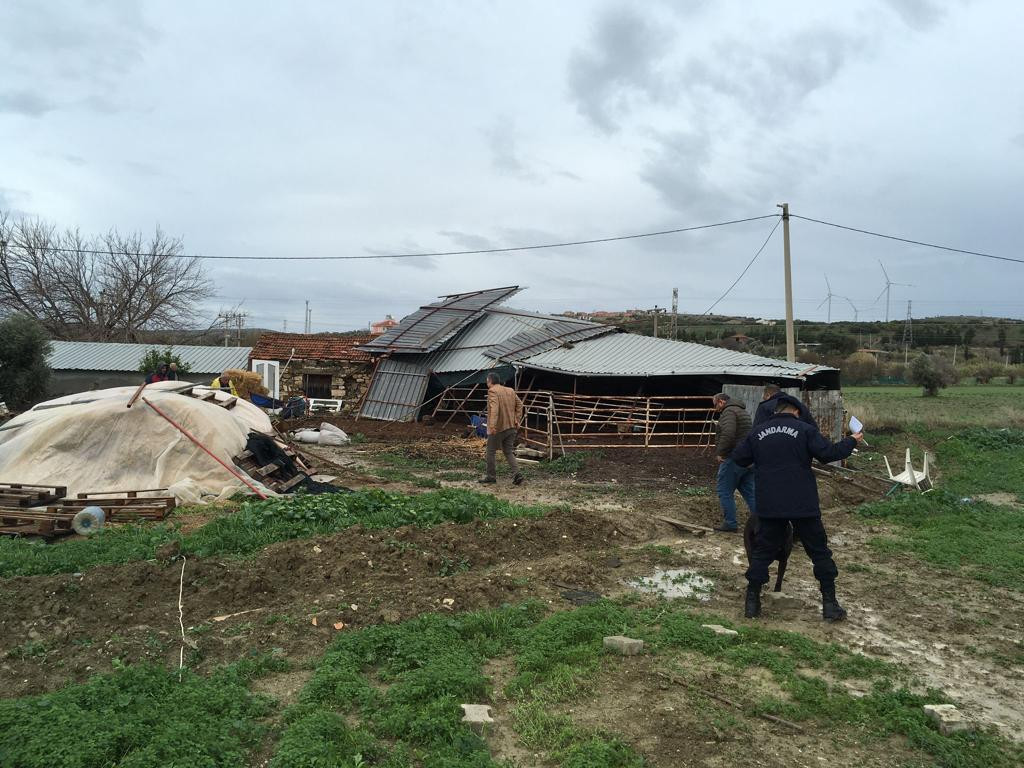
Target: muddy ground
{"x":951,"y":632}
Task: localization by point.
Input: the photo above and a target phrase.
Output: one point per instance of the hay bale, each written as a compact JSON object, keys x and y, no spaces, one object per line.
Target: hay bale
{"x":246,"y":382}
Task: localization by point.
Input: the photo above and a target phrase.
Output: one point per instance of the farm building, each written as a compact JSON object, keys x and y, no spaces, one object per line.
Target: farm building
{"x":584,"y":384}
{"x":79,"y":366}
{"x":326,"y":366}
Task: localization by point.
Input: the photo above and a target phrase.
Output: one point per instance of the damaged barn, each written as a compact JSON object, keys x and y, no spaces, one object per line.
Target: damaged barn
{"x":584,"y":384}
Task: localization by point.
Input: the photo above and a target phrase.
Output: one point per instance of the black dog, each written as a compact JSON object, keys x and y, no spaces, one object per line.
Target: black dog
{"x":782,"y":555}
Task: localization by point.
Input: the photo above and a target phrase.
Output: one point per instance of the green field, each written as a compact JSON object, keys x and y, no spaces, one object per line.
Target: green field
{"x":988,"y":405}
{"x":972,"y":521}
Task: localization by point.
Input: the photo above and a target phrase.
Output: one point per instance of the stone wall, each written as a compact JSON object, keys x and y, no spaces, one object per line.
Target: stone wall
{"x":349,"y":380}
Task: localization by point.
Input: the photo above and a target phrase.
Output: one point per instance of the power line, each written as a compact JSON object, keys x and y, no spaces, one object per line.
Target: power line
{"x":908,"y":240}
{"x":481,"y":251}
{"x":749,"y":265}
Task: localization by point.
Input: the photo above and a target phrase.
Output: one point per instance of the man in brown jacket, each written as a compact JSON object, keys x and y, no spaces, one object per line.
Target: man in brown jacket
{"x":504,"y":412}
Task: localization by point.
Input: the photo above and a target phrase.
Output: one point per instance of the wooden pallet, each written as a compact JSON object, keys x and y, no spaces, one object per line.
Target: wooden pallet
{"x":28,"y":495}
{"x":210,"y":396}
{"x":122,"y":506}
{"x":35,"y":522}
{"x":271,"y":475}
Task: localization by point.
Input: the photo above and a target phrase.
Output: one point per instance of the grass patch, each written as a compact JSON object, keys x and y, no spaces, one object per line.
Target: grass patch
{"x":991,"y":405}
{"x":257,"y":524}
{"x":388,"y":695}
{"x":983,"y":540}
{"x":137,"y":717}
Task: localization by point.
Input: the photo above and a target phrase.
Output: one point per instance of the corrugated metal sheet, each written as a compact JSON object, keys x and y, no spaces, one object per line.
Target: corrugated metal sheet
{"x":107,"y":356}
{"x":626,"y":354}
{"x":426,"y":329}
{"x":553,"y":334}
{"x":468,"y":350}
{"x":396,"y":391}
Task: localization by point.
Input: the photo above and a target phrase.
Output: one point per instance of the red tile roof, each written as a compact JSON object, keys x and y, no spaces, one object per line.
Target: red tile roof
{"x":319,"y":346}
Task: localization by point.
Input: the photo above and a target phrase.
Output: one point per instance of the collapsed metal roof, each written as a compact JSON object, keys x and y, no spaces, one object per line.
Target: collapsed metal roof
{"x":627,"y":354}
{"x":396,"y":390}
{"x":472,"y":349}
{"x":112,"y":356}
{"x":553,"y":334}
{"x":426,"y":329}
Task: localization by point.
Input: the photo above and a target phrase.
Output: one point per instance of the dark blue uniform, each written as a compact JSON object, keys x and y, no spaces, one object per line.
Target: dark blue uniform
{"x":782,"y":450}
{"x":766,"y":409}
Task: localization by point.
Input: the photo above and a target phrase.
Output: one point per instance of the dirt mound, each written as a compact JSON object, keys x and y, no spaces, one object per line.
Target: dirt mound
{"x":70,"y":625}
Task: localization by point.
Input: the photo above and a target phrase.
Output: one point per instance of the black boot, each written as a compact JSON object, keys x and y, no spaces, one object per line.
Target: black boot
{"x":831,"y":610}
{"x":752,"y":607}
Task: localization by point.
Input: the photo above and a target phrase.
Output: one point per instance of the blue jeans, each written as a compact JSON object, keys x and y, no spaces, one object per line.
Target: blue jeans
{"x":733,"y":477}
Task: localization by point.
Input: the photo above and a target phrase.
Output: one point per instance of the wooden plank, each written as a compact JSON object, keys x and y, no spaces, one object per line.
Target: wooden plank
{"x":228,"y":404}
{"x":287,"y":485}
{"x":268,"y":469}
{"x":692,"y":527}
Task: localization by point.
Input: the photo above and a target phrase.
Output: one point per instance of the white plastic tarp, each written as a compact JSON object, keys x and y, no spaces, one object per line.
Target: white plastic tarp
{"x":91,"y":442}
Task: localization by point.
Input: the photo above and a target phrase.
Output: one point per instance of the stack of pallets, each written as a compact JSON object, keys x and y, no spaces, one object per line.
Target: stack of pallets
{"x":121,"y":506}
{"x":272,"y":475}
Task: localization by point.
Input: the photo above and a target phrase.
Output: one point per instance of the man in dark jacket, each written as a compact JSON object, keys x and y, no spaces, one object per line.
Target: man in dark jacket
{"x":770,"y":401}
{"x":733,"y":426}
{"x":782,"y":449}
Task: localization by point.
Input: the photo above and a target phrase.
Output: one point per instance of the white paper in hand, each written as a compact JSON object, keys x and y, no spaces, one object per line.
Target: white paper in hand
{"x":855,"y":425}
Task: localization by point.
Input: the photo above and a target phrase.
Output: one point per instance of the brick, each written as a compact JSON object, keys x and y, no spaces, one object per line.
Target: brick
{"x":718,"y":629}
{"x":948,"y":718}
{"x":627,"y":646}
{"x":782,"y":600}
{"x":477,"y":716}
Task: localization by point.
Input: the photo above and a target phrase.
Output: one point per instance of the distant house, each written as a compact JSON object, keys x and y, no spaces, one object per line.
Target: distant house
{"x":382,"y":326}
{"x":320,"y":365}
{"x":79,"y":366}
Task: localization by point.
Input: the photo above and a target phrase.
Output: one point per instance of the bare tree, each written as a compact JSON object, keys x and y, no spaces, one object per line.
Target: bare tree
{"x":105,"y":288}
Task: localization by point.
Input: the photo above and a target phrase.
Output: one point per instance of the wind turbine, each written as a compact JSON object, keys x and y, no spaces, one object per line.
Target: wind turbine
{"x":852,"y":306}
{"x":828,"y":299}
{"x":888,"y":284}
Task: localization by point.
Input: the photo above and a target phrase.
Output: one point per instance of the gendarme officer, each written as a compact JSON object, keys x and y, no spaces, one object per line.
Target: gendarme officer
{"x":782,"y":449}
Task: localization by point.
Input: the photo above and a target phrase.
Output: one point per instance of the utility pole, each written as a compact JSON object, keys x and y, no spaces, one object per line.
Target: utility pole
{"x":285,"y":330}
{"x":790,"y":339}
{"x":655,"y":321}
{"x":233,"y":319}
{"x":674,"y":327}
{"x":908,"y":335}
{"x":308,"y":316}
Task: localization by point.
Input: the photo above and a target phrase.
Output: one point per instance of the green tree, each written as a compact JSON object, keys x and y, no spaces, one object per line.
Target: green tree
{"x":1001,"y":340}
{"x":931,"y":374}
{"x":153,"y":359}
{"x":24,"y":373}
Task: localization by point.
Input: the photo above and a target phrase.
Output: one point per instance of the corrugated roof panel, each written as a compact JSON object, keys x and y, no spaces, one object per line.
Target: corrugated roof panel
{"x":426,"y":329}
{"x":109,"y":356}
{"x":396,"y":390}
{"x":467,"y":351}
{"x":554,"y":334}
{"x":627,"y":354}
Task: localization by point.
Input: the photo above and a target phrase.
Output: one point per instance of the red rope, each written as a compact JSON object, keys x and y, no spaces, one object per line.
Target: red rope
{"x":187,"y":434}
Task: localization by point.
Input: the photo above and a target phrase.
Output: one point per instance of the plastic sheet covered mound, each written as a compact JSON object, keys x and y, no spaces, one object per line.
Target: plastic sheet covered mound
{"x":92,"y":442}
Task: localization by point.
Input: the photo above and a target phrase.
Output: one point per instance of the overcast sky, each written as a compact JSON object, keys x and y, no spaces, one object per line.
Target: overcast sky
{"x":343,"y":128}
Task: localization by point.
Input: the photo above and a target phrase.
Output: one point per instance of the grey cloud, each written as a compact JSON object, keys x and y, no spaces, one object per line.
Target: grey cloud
{"x":503,"y":141}
{"x":776,"y":76}
{"x":567,"y":174}
{"x":426,"y":263}
{"x":917,"y":14}
{"x":619,"y":66}
{"x":468,"y":241}
{"x":679,"y":169}
{"x":25,"y":103}
{"x":1018,"y":140}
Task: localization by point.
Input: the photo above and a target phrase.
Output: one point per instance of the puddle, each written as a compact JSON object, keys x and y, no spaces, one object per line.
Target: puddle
{"x":678,"y":582}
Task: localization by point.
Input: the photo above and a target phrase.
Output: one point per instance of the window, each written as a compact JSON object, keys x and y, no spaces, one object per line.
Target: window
{"x":316,"y":384}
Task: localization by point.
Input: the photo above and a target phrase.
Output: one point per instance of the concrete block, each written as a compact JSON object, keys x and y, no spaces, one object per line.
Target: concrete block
{"x":782,"y":601}
{"x":627,"y":646}
{"x":477,"y":716}
{"x":718,"y":629}
{"x":948,"y":718}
